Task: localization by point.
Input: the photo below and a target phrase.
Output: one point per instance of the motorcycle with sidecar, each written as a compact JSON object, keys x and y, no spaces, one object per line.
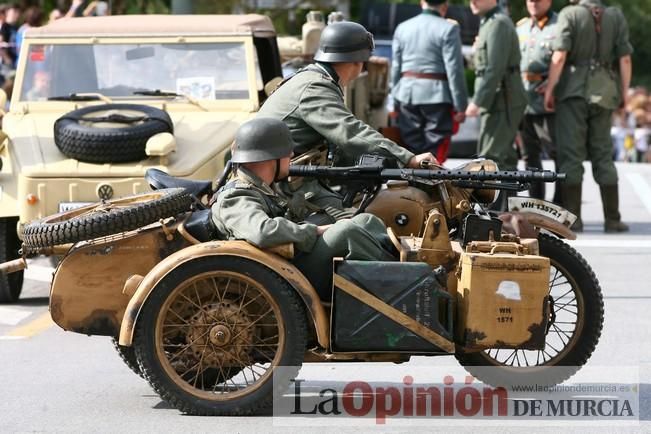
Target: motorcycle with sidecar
{"x":207,"y":322}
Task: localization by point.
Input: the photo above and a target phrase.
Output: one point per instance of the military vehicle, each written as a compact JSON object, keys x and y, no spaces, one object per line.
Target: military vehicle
{"x":99,"y":100}
{"x":209,"y":322}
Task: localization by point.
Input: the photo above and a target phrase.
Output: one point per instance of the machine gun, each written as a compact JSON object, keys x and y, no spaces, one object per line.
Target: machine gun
{"x":368,"y":179}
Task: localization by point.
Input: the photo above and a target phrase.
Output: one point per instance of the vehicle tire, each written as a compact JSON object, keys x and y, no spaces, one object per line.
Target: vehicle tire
{"x":128,"y":356}
{"x":227,"y":314}
{"x":576,"y":294}
{"x":11,"y":284}
{"x":106,"y":218}
{"x":109,"y":133}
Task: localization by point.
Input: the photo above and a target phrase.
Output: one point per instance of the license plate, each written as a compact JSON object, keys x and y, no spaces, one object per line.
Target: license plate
{"x":69,"y":206}
{"x":542,"y":207}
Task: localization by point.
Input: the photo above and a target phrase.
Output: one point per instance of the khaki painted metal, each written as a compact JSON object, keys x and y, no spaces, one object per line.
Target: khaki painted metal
{"x":227,"y":248}
{"x":393,"y":313}
{"x":88,"y":292}
{"x":502,"y":297}
{"x":399,"y":202}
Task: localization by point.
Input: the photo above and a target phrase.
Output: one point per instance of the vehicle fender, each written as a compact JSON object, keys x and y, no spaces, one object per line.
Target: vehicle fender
{"x":241,"y":249}
{"x":513,"y":224}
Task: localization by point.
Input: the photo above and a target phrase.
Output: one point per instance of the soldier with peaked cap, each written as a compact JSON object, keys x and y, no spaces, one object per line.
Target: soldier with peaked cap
{"x":249,"y":208}
{"x":536,"y":33}
{"x":589,"y":77}
{"x":428,"y":79}
{"x":311,"y":103}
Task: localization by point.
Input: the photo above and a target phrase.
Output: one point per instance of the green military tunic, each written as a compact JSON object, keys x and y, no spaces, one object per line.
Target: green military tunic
{"x":583,"y":129}
{"x":537,"y":128}
{"x":248,"y":209}
{"x":311,"y":103}
{"x":498,"y":88}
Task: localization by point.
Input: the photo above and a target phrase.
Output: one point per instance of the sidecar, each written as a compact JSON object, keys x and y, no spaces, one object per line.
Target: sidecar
{"x":208,"y":322}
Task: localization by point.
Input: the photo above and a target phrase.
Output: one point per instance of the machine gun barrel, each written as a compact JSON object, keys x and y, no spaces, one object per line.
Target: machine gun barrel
{"x":378,"y":173}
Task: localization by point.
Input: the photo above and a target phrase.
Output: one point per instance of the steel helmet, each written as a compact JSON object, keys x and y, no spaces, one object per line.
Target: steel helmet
{"x":262,"y":139}
{"x":344,"y":41}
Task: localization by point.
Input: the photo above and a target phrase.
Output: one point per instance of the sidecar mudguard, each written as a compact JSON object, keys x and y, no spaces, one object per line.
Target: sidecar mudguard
{"x":241,"y":249}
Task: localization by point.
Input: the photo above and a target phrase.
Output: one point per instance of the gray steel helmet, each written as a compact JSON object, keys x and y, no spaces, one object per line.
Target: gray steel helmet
{"x":344,"y":41}
{"x":262,"y":139}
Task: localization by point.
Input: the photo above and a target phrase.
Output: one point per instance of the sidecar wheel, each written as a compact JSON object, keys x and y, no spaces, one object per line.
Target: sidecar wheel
{"x":576,"y":324}
{"x":128,"y":356}
{"x":213,"y":333}
{"x":106,"y":218}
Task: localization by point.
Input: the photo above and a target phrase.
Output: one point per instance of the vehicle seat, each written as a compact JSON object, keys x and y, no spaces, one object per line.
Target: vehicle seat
{"x":158,"y":179}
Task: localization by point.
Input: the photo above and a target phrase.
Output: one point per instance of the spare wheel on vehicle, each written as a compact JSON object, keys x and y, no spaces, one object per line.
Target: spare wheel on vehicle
{"x":109,"y":133}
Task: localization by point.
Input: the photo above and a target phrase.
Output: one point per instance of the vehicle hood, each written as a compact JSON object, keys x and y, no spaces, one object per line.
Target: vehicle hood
{"x":200,"y":136}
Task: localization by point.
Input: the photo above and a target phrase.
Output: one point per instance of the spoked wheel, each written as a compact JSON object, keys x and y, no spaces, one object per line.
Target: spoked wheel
{"x":575,"y":323}
{"x":213,"y":333}
{"x":106,"y":218}
{"x":128,"y":356}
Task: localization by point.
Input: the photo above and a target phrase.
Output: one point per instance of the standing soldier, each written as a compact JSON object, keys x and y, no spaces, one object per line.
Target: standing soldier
{"x":499,"y":97}
{"x":591,"y":39}
{"x":536,"y":34}
{"x":428,"y":79}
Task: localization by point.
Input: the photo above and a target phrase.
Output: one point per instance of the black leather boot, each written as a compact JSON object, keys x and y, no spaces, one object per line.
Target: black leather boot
{"x":571,"y":201}
{"x":610,"y":201}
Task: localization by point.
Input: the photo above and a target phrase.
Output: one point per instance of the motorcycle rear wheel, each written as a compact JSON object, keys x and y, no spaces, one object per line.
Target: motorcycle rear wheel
{"x":576,"y":322}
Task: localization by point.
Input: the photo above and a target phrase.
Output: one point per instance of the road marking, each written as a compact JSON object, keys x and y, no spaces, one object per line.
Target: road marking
{"x":642,"y":189}
{"x":11,"y":338}
{"x":11,"y":316}
{"x":614,"y":243}
{"x":32,"y":328}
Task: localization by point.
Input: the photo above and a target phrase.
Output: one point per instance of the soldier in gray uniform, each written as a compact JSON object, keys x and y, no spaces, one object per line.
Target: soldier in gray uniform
{"x":428,"y":78}
{"x":311,"y":103}
{"x":499,"y":97}
{"x":585,"y":89}
{"x":536,"y":34}
{"x":249,"y":208}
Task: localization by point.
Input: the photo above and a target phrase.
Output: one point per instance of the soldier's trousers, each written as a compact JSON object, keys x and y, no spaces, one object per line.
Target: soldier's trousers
{"x":537,"y":132}
{"x":363,"y":237}
{"x":497,"y":133}
{"x":424,"y":127}
{"x":583,"y":132}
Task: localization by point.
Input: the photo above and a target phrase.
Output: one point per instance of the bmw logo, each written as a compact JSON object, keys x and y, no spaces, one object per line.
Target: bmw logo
{"x":104,"y":191}
{"x":402,"y":219}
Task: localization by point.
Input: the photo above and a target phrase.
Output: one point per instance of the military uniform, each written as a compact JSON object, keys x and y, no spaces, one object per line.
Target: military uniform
{"x":427,"y":79}
{"x":499,"y":93}
{"x":311,"y":103}
{"x":536,"y":37}
{"x":248,"y":209}
{"x":583,"y":128}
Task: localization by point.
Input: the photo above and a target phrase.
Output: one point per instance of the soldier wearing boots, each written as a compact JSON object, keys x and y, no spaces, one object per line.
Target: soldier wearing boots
{"x":584,"y":89}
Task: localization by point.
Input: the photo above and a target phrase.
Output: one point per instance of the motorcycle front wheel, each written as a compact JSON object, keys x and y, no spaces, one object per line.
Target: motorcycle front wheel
{"x":575,"y":324}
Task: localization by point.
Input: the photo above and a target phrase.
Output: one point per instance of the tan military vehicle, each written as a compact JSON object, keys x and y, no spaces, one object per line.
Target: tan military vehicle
{"x":97,"y":101}
{"x":218,"y":327}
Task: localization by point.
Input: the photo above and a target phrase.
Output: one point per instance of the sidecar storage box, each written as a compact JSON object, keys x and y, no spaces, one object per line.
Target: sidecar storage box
{"x":414,"y":288}
{"x":502,"y":297}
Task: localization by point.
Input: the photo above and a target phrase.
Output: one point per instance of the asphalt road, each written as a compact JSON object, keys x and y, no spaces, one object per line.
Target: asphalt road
{"x":51,"y":380}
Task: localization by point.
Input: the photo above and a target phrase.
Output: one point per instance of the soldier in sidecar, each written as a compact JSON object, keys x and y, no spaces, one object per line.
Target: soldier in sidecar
{"x":207,"y":322}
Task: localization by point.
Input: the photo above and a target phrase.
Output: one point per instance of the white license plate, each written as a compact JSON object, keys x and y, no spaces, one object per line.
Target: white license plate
{"x":68,"y":206}
{"x":542,"y":207}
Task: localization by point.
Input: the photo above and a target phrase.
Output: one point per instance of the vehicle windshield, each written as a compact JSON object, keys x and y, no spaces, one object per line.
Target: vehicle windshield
{"x":203,"y":71}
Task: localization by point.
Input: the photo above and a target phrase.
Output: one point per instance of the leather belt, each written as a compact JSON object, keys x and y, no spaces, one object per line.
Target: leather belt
{"x":427,"y":75}
{"x":510,"y":69}
{"x":533,"y":76}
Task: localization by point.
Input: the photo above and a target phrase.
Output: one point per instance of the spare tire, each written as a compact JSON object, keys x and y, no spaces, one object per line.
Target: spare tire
{"x":105,"y":218}
{"x":109,"y":133}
